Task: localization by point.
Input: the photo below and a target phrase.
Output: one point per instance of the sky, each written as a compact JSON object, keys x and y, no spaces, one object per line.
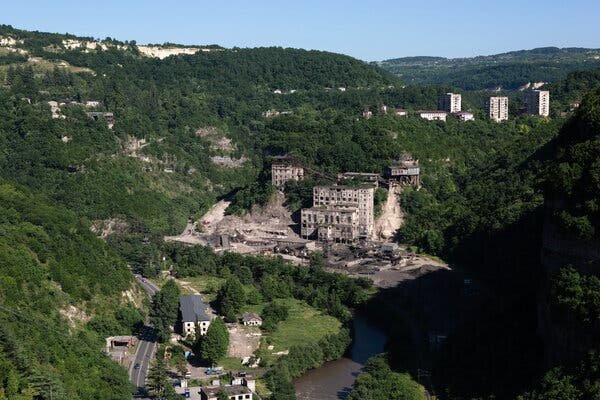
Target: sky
{"x":370,"y":30}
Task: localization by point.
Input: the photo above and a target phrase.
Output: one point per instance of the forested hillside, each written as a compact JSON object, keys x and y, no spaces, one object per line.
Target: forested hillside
{"x":507,"y":70}
{"x":50,"y":262}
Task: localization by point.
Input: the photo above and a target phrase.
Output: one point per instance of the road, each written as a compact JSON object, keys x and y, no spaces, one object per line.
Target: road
{"x":148,"y":286}
{"x":146,"y":347}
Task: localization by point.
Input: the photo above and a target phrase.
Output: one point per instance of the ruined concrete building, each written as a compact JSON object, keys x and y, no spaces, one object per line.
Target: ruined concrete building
{"x":339,"y":213}
{"x":283,"y":170}
{"x":107,"y":116}
{"x":366,"y":177}
{"x":405,"y":172}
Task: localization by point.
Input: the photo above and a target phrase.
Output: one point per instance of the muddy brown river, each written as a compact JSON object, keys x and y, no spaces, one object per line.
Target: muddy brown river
{"x":333,"y":380}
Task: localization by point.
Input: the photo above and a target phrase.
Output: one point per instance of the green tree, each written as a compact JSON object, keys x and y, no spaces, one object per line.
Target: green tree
{"x":272,"y":314}
{"x":163,"y":313}
{"x":231,"y":298}
{"x":222,"y":395}
{"x":213,"y":346}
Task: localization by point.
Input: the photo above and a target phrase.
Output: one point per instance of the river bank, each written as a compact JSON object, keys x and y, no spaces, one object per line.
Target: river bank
{"x":333,"y":380}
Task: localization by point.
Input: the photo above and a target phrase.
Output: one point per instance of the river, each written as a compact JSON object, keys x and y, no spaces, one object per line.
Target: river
{"x":333,"y":380}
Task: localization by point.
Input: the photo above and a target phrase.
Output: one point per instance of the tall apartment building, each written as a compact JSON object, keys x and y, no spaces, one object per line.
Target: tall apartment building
{"x":284,"y":170}
{"x":537,"y":102}
{"x":449,"y":102}
{"x":497,"y":108}
{"x":339,"y":213}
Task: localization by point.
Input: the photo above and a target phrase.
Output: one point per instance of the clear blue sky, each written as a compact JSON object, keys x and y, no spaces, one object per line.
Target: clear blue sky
{"x":367,"y":29}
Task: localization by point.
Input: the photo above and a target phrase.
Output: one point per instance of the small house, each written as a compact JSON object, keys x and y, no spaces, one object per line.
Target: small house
{"x":251,"y":319}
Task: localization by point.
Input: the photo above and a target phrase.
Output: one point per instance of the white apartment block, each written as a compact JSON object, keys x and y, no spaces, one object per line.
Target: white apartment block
{"x":537,"y":102}
{"x":450,"y":102}
{"x":497,"y":108}
{"x":433,"y":115}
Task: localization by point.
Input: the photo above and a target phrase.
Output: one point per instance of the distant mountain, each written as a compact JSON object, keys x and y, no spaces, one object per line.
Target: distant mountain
{"x":506,"y":70}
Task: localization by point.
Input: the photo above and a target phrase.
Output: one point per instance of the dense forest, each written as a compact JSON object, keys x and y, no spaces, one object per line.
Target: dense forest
{"x":481,"y":206}
{"x":507,"y":70}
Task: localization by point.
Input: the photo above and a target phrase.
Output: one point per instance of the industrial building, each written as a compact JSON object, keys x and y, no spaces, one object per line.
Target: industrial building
{"x":404,"y":172}
{"x":339,"y":213}
{"x":283,"y":170}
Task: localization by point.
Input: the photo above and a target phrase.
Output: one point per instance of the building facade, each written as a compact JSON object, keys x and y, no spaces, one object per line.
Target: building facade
{"x":465,"y":116}
{"x":433,"y":115}
{"x":329,"y":223}
{"x":339,"y":213}
{"x":496,"y":108}
{"x":284,"y":171}
{"x":450,"y":102}
{"x":537,"y":102}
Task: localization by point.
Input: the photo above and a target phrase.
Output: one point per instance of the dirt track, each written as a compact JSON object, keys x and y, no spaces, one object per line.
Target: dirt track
{"x":391,"y":218}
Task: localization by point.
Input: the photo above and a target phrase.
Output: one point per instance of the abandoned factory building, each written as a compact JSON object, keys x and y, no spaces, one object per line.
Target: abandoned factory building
{"x":284,"y":170}
{"x":339,"y":213}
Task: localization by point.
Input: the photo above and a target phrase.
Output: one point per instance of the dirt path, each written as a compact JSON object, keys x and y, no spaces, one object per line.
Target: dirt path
{"x":187,"y":286}
{"x":214,"y":216}
{"x":391,"y":218}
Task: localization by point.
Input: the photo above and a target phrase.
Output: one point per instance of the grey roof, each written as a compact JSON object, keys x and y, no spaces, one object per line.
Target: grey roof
{"x":249,"y":316}
{"x":192,"y":308}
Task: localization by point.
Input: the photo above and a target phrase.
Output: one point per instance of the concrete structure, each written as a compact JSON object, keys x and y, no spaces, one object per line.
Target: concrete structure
{"x":366,"y":177}
{"x":433,"y":115}
{"x":339,"y":213}
{"x":496,"y":108}
{"x":537,"y":102}
{"x":107,"y":116}
{"x":240,"y":388}
{"x":464,"y":116}
{"x":283,"y":170}
{"x":450,"y":102}
{"x":251,"y":319}
{"x":406,"y":172}
{"x":193,"y":314}
{"x":330,"y":224}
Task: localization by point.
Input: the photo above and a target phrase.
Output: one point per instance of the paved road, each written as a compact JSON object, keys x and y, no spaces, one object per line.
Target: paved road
{"x":148,"y":286}
{"x":146,"y":347}
{"x":143,"y":357}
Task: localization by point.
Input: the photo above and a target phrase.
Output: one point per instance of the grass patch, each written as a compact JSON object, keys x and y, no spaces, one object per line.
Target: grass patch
{"x":207,"y":285}
{"x":305,"y":324}
{"x":232,"y":363}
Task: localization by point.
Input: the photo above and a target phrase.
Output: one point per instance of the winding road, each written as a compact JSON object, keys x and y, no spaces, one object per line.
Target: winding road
{"x":146,"y":347}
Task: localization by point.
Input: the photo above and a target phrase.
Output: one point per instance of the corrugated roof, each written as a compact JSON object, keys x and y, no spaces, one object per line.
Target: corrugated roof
{"x":192,"y":308}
